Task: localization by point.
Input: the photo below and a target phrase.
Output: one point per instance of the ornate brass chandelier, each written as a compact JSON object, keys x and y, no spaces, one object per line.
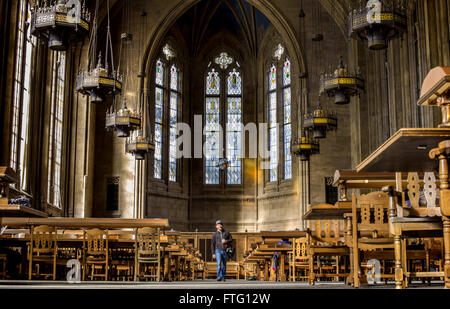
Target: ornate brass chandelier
{"x":377,"y":22}
{"x":305,"y":147}
{"x":141,"y":142}
{"x":139,"y":145}
{"x":124,"y":120}
{"x":341,"y":84}
{"x":320,"y":121}
{"x":59,"y":22}
{"x":99,"y":81}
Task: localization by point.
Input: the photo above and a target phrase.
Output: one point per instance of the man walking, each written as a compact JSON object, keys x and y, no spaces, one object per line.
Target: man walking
{"x":220,"y":241}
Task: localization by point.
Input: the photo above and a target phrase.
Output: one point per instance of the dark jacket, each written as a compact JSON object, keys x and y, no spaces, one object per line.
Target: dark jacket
{"x":216,"y":241}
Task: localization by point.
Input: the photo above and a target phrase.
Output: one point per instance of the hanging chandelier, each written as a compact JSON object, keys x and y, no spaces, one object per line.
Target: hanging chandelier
{"x":139,"y":145}
{"x":340,"y":84}
{"x":141,"y":141}
{"x":59,"y":23}
{"x":123,"y":120}
{"x":305,"y":147}
{"x":377,"y":22}
{"x":99,"y":81}
{"x":319,"y":122}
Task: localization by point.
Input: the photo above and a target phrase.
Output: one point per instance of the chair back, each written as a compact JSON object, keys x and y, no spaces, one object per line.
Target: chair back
{"x":96,"y":242}
{"x":300,"y":248}
{"x":43,"y":240}
{"x":327,"y":231}
{"x":373,"y":214}
{"x":147,"y":241}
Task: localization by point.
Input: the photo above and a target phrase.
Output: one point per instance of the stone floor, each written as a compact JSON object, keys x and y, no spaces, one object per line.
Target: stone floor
{"x":200,"y":284}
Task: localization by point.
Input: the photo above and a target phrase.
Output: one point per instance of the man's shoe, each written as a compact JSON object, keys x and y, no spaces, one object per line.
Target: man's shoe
{"x":223,"y":279}
{"x":219,"y":279}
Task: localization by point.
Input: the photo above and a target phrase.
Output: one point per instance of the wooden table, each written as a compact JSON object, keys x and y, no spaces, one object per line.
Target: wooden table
{"x":14,"y":210}
{"x":106,"y":223}
{"x":407,"y":151}
{"x":328,"y":212}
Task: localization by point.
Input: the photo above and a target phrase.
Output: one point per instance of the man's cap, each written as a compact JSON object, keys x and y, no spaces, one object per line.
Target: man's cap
{"x":219,"y":222}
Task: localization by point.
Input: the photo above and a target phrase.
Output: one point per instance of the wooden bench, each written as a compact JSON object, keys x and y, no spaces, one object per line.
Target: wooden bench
{"x":210,"y":270}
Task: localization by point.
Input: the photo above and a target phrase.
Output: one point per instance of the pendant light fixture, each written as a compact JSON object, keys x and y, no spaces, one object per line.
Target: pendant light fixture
{"x":60,"y":22}
{"x":141,"y":142}
{"x":377,"y":22}
{"x":305,"y":147}
{"x":341,"y":84}
{"x":124,"y":120}
{"x":99,"y":80}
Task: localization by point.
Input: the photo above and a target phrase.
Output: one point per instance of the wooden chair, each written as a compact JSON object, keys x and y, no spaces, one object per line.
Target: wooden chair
{"x":370,"y":232}
{"x":96,"y":253}
{"x":327,"y":241}
{"x":300,"y":259}
{"x":147,"y":253}
{"x":43,"y":249}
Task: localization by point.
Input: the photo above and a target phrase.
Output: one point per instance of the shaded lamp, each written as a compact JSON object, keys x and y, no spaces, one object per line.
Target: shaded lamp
{"x":139,"y":145}
{"x":60,"y":23}
{"x":123,"y":121}
{"x":99,"y":82}
{"x":319,"y":122}
{"x":305,"y":147}
{"x":340,"y":84}
{"x":377,"y":22}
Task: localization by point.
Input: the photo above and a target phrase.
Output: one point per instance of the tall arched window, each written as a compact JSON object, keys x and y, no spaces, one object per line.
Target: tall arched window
{"x":174,"y":101}
{"x":279,"y":86}
{"x":234,"y":128}
{"x":159,"y":115}
{"x":272,"y":119}
{"x":223,"y":84}
{"x":212,"y":123}
{"x":287,"y":119}
{"x":56,"y":128}
{"x":21,"y":97}
{"x":167,"y":113}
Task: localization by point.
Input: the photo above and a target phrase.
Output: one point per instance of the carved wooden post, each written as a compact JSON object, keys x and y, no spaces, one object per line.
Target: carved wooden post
{"x":348,"y":241}
{"x":392,"y":213}
{"x":441,"y":153}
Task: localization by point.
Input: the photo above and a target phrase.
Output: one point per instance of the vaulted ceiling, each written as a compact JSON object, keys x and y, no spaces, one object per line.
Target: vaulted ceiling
{"x":238,"y":17}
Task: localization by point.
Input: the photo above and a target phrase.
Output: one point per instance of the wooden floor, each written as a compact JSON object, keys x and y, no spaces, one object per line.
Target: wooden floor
{"x":200,"y":284}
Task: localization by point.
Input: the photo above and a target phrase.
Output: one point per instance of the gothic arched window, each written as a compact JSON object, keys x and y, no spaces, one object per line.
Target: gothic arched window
{"x":56,"y":128}
{"x":279,"y":86}
{"x":167,"y":114}
{"x":223,"y":84}
{"x":21,"y":97}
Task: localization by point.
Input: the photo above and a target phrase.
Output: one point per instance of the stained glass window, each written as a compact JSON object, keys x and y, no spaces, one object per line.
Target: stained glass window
{"x":234,"y":83}
{"x":287,"y":119}
{"x":273,"y":78}
{"x":21,"y":96}
{"x":173,"y":120}
{"x":212,"y":124}
{"x":272,"y":119}
{"x":234,"y":129}
{"x":287,"y":73}
{"x":56,"y":129}
{"x":213,"y":83}
{"x":159,"y":116}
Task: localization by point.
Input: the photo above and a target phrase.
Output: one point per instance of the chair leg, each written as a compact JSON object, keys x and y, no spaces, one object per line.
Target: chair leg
{"x":30,"y":267}
{"x":54,"y":268}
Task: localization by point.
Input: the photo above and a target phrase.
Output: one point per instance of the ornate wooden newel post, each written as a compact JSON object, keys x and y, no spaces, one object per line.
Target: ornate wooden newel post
{"x":441,"y":153}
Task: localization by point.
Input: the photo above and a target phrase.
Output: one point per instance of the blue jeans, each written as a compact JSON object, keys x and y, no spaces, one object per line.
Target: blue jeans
{"x":221,"y":257}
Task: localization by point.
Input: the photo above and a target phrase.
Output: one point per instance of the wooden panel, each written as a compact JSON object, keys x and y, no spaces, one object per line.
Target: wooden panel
{"x":400,"y":153}
{"x":86,"y":222}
